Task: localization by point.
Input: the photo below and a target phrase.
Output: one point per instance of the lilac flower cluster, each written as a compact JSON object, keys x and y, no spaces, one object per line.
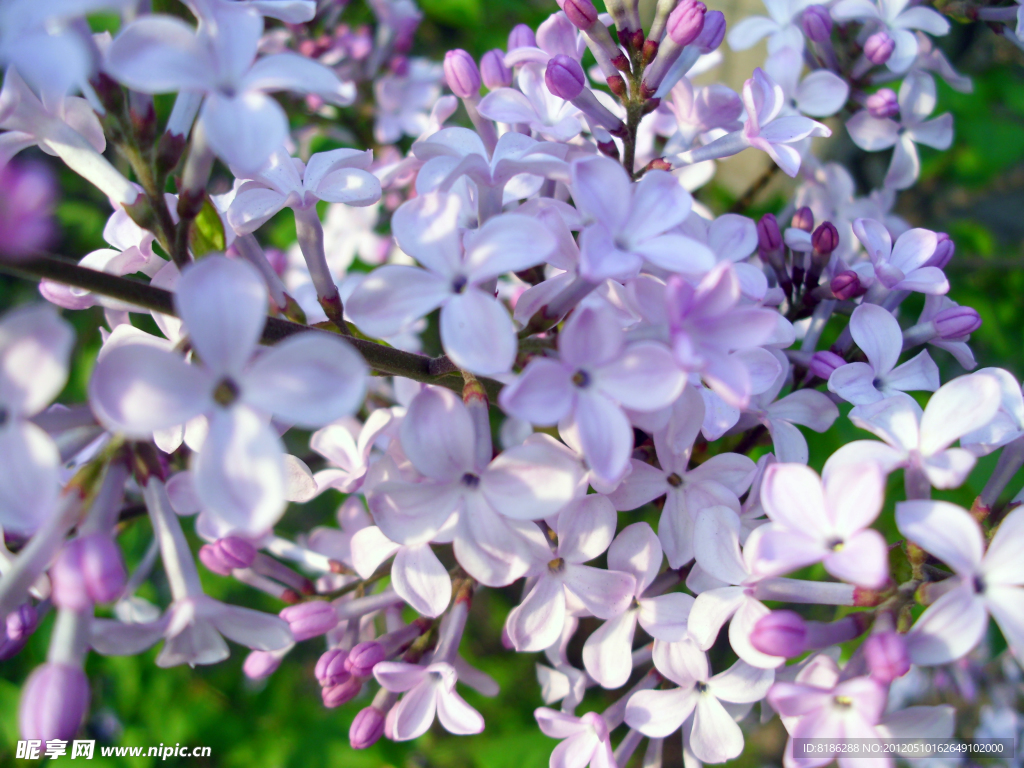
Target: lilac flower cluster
{"x":631,"y":349}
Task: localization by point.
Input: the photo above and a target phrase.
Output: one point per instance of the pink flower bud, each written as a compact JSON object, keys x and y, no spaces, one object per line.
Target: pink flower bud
{"x":330,"y":668}
{"x":343,"y":693}
{"x":367,"y":728}
{"x":768,"y":236}
{"x":493,"y":71}
{"x":564,"y":77}
{"x":462,"y":74}
{"x":581,"y":13}
{"x":22,"y":622}
{"x":846,"y":285}
{"x":713,"y":33}
{"x":686,"y":22}
{"x":364,"y":657}
{"x":227,"y":554}
{"x":825,"y":238}
{"x":27,"y":195}
{"x":817,"y":23}
{"x":210,"y":557}
{"x":956,"y":322}
{"x":260,"y":664}
{"x":521,"y":36}
{"x":780,"y":633}
{"x":944,"y":250}
{"x":879,"y":47}
{"x":823,"y":363}
{"x":886,"y":654}
{"x":88,"y":570}
{"x":803,"y":219}
{"x":53,"y":702}
{"x":882,"y":104}
{"x":310,"y":619}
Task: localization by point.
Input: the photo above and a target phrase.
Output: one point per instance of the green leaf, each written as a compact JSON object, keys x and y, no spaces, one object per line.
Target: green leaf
{"x":207,"y":232}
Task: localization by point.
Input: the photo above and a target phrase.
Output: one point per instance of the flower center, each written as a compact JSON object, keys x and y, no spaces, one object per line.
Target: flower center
{"x":701,"y":687}
{"x":836,"y":545}
{"x":459,"y":284}
{"x":4,"y":416}
{"x":557,"y":565}
{"x":674,"y":480}
{"x":843,"y":701}
{"x":226,"y":392}
{"x":470,"y":480}
{"x":581,"y":379}
{"x":979,"y":584}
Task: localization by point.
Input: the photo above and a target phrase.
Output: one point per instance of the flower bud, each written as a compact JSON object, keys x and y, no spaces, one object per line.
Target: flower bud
{"x":310,"y":619}
{"x":330,"y":668}
{"x":27,"y":195}
{"x":227,"y":554}
{"x":956,"y":322}
{"x":343,"y":693}
{"x":462,"y":74}
{"x":564,"y":77}
{"x":521,"y":36}
{"x":260,"y":664}
{"x":88,"y":570}
{"x":943,"y":254}
{"x":22,"y":622}
{"x":367,"y":728}
{"x":882,"y":104}
{"x":53,"y":702}
{"x":803,"y":219}
{"x":887,"y":657}
{"x":686,"y":21}
{"x":713,"y":33}
{"x":846,"y":285}
{"x":768,"y":236}
{"x":364,"y":657}
{"x":780,"y":633}
{"x":817,"y":23}
{"x":823,"y":363}
{"x":879,"y":47}
{"x":825,"y":238}
{"x":581,"y":13}
{"x":493,"y":71}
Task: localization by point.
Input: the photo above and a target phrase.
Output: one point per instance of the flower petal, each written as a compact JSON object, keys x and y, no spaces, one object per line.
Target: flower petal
{"x":477,"y":333}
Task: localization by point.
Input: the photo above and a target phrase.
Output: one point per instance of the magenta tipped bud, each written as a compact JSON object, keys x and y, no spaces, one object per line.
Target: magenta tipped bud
{"x":310,"y":619}
{"x":956,"y":322}
{"x":882,"y":104}
{"x":581,"y":13}
{"x":769,"y":238}
{"x":462,"y":74}
{"x":521,"y":36}
{"x":879,"y":47}
{"x":331,"y":668}
{"x":367,"y":728}
{"x":364,"y":657}
{"x":227,"y":554}
{"x":803,"y":219}
{"x":88,"y":570}
{"x":686,"y":21}
{"x":564,"y":77}
{"x":493,"y":71}
{"x":887,"y":657}
{"x":824,"y":363}
{"x":22,"y":622}
{"x":825,"y":238}
{"x":713,"y":33}
{"x":944,"y":250}
{"x":343,"y":693}
{"x":780,"y":633}
{"x":817,"y":23}
{"x":260,"y":664}
{"x":846,"y":285}
{"x":53,"y":702}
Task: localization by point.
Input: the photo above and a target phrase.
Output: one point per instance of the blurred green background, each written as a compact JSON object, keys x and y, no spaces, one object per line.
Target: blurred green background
{"x":975,"y":192}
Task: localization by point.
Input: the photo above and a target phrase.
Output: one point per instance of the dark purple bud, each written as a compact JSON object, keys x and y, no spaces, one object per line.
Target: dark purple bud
{"x":581,"y":13}
{"x":364,"y":657}
{"x":879,"y":47}
{"x":803,"y":219}
{"x":769,"y":238}
{"x":564,"y":77}
{"x":780,"y":633}
{"x":944,"y":251}
{"x":260,"y":664}
{"x":343,"y":693}
{"x":88,"y":570}
{"x":823,"y":363}
{"x":330,"y":668}
{"x":825,"y":238}
{"x":686,"y":21}
{"x":817,"y":23}
{"x":53,"y":702}
{"x":521,"y":36}
{"x":882,"y":104}
{"x":367,"y":728}
{"x":956,"y":322}
{"x":886,"y":654}
{"x":846,"y":285}
{"x":713,"y":33}
{"x":22,"y":622}
{"x":462,"y":74}
{"x":493,"y":71}
{"x":310,"y":619}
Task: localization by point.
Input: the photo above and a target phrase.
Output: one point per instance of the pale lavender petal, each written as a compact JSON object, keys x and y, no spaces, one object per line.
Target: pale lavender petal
{"x":437,"y":434}
{"x":392,"y":297}
{"x":606,"y":654}
{"x":477,"y":333}
{"x":542,"y":394}
{"x":961,"y":406}
{"x":660,"y":713}
{"x":419,"y":578}
{"x":531,"y":481}
{"x":604,"y":593}
{"x":665,"y":617}
{"x":536,"y":623}
{"x":863,"y":560}
{"x":715,"y":737}
{"x":944,"y":530}
{"x":585,"y":528}
{"x":711,"y":610}
{"x":605,"y":434}
{"x":949,"y":629}
{"x":644,"y":378}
